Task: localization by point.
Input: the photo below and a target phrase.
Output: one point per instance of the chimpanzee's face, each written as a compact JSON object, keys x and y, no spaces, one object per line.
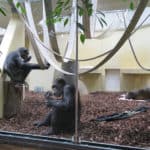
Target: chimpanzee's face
{"x":57,"y":89}
{"x":25,"y":54}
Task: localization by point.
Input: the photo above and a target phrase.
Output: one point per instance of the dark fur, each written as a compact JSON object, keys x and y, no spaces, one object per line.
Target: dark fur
{"x":17,"y":65}
{"x":139,"y":94}
{"x":62,"y":116}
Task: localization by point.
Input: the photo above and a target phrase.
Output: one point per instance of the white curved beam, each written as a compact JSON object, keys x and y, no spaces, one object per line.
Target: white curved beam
{"x":44,"y":52}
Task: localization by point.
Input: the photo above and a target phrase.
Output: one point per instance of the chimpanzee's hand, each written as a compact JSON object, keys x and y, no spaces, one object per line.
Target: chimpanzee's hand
{"x":46,"y":66}
{"x":48,"y":102}
{"x":27,"y":59}
{"x":48,"y":94}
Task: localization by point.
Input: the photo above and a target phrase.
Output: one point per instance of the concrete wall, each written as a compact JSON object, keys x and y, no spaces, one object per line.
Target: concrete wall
{"x":122,"y":67}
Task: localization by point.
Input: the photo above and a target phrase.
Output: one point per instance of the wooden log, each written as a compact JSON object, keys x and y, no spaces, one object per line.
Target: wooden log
{"x":13,"y":95}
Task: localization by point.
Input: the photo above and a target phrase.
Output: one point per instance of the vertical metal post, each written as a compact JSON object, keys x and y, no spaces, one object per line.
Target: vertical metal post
{"x":76,"y":136}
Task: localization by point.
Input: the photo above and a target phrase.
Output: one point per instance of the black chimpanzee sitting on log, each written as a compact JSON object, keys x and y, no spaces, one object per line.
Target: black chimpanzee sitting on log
{"x":62,"y":116}
{"x":17,"y":65}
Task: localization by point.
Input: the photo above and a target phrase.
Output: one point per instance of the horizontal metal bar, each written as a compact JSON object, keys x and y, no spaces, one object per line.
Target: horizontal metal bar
{"x":53,"y":143}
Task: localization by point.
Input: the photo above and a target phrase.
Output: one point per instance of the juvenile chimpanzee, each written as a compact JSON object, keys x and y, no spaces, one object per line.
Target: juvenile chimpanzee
{"x":17,"y":65}
{"x":62,"y":116}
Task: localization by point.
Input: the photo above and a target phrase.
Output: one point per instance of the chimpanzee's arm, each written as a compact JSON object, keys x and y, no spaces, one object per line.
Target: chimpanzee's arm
{"x":61,"y":104}
{"x":24,"y":65}
{"x":50,"y":101}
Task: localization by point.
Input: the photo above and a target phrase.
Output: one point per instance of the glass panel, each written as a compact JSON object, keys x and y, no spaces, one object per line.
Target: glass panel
{"x":109,"y":114}
{"x":26,"y":99}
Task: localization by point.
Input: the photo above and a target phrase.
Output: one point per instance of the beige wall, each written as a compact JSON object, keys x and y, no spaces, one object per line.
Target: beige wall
{"x":124,"y":58}
{"x":130,"y":76}
{"x":39,"y":78}
{"x":123,"y":61}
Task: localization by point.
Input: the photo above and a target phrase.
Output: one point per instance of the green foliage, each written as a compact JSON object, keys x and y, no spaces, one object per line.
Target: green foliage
{"x":131,"y":5}
{"x":63,"y":5}
{"x":82,"y":38}
{"x":89,"y":10}
{"x":56,"y":14}
{"x":88,"y":6}
{"x":2,"y":11}
{"x":18,"y":5}
{"x":80,"y":10}
{"x":66,"y":21}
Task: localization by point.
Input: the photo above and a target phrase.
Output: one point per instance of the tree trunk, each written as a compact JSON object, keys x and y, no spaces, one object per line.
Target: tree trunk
{"x":53,"y":39}
{"x":86,"y":22}
{"x":13,"y":95}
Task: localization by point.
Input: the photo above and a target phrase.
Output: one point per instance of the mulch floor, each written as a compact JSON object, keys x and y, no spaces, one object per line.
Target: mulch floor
{"x":133,"y":131}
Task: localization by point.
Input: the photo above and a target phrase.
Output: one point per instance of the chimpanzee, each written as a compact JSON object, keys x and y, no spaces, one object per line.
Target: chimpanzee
{"x":139,"y":94}
{"x":17,"y":67}
{"x":57,"y":88}
{"x":62,"y":116}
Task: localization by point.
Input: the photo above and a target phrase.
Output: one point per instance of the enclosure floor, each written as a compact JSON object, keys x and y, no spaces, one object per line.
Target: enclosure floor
{"x":133,"y":131}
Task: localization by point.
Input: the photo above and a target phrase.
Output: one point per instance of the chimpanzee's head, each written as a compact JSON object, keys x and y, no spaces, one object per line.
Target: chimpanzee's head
{"x":24,"y":52}
{"x":130,"y":95}
{"x":58,"y":86}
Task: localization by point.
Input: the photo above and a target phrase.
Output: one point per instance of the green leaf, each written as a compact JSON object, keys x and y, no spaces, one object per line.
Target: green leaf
{"x":82,"y":38}
{"x":59,"y":19}
{"x":89,"y":7}
{"x":23,"y":10}
{"x":131,"y":5}
{"x":60,"y":4}
{"x":90,"y":11}
{"x":68,"y":7}
{"x":66,"y":21}
{"x":66,"y":2}
{"x":18,"y":5}
{"x":58,"y":11}
{"x":2,"y":11}
{"x":81,"y":11}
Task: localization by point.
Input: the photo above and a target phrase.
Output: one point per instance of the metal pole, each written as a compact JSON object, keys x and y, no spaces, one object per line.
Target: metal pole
{"x":76,"y":136}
